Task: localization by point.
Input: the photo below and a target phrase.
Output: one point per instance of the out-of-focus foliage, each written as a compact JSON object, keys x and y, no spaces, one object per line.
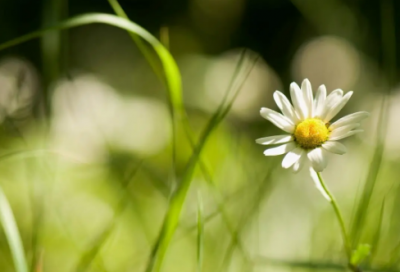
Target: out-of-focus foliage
{"x":91,"y":159}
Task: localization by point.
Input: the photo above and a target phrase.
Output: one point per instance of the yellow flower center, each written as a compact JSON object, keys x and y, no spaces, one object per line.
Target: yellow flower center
{"x":311,"y":133}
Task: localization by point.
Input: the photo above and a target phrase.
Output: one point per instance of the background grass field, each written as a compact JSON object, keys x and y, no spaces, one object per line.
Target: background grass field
{"x":127,"y":138}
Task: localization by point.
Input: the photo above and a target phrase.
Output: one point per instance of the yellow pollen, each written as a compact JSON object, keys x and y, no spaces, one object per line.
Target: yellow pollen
{"x":311,"y":133}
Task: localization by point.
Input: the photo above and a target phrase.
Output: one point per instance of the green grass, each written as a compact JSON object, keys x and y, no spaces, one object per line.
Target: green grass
{"x":233,"y":214}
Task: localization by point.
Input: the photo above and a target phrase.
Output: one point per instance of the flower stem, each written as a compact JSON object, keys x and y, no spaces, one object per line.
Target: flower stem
{"x":339,"y":216}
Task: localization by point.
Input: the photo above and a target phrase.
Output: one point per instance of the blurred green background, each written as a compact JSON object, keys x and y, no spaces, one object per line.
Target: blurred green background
{"x":90,"y":160}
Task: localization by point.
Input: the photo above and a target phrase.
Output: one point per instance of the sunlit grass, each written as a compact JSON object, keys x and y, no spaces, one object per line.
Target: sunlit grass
{"x":207,"y":202}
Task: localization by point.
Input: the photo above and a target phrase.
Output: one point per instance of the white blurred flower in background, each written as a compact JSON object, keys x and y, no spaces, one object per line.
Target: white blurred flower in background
{"x":89,"y":117}
{"x":19,"y":86}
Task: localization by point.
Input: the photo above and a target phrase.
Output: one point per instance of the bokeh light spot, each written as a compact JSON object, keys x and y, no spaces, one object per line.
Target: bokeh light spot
{"x":327,"y":60}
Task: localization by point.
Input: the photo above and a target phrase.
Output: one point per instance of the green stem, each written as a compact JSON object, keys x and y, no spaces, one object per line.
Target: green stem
{"x":339,"y":216}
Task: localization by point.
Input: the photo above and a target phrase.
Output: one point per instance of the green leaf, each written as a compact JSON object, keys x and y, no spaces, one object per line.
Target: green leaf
{"x":359,"y":255}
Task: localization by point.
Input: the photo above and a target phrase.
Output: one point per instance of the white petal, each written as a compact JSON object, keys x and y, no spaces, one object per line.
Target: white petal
{"x":284,"y":105}
{"x":277,"y":119}
{"x":277,"y":139}
{"x":348,"y":134}
{"x":308,"y":96}
{"x":319,"y":101}
{"x":317,"y":182}
{"x":349,"y":119}
{"x":342,"y":130}
{"x":332,"y":100}
{"x":300,"y":162}
{"x":279,"y":150}
{"x":318,"y":159}
{"x":335,"y":92}
{"x":292,"y":157}
{"x":335,"y":109}
{"x":298,"y":101}
{"x":334,"y":147}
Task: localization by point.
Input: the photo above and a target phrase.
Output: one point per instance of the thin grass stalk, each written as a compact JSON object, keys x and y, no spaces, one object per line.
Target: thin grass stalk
{"x":259,"y":196}
{"x":175,"y":112}
{"x":388,"y":40}
{"x":12,"y":234}
{"x":173,"y":214}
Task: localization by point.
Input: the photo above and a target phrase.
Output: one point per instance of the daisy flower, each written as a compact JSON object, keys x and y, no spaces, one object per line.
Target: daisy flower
{"x":310,"y":135}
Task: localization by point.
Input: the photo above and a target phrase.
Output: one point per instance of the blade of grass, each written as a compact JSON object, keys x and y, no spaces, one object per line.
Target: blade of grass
{"x":164,"y":39}
{"x":172,"y":216}
{"x":389,"y":64}
{"x":51,"y":47}
{"x":12,"y":234}
{"x":229,"y":105}
{"x":222,"y":112}
{"x":200,"y":233}
{"x":377,"y":235}
{"x":214,"y":214}
{"x":259,"y":196}
{"x":206,"y":172}
{"x":149,"y":56}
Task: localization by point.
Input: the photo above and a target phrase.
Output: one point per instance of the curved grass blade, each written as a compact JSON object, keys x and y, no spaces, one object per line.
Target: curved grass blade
{"x":172,"y":75}
{"x":154,"y":64}
{"x":12,"y":234}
